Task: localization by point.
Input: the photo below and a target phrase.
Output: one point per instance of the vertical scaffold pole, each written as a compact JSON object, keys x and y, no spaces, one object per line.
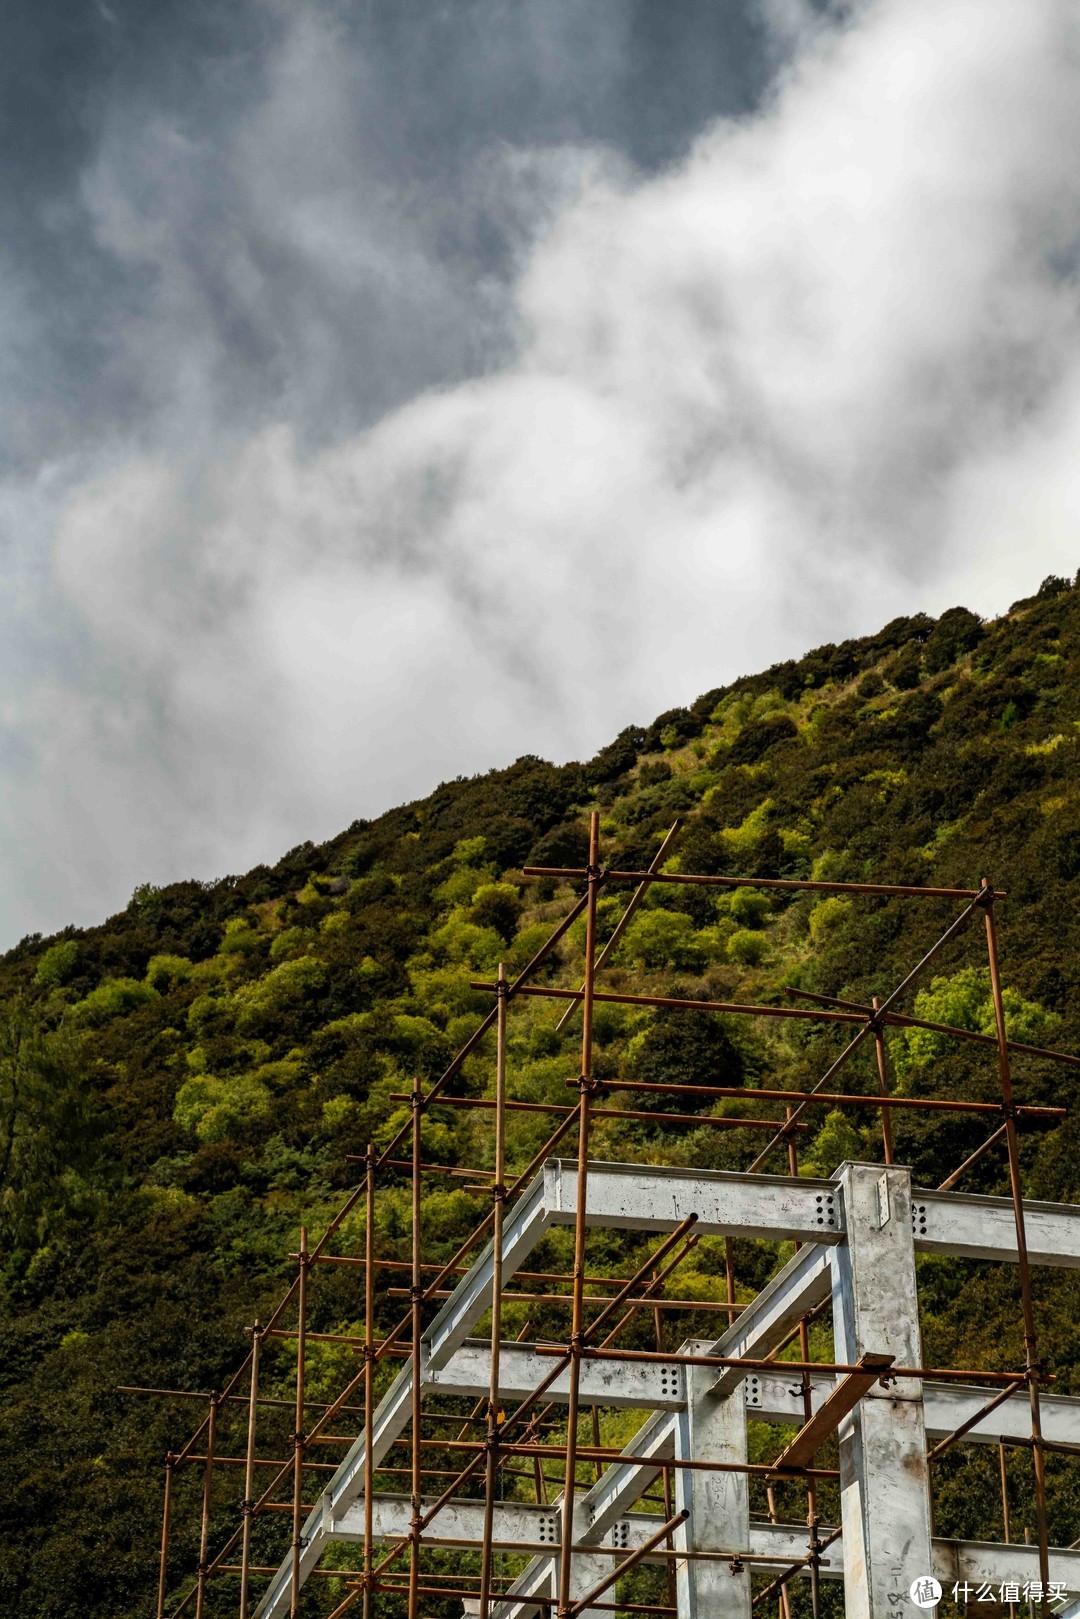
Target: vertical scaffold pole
{"x":369,"y":1366}
{"x":807,"y":1388}
{"x":883,"y":1084}
{"x":499,"y":1194}
{"x":298,"y":1425}
{"x":208,"y":1485}
{"x":416,"y":1296}
{"x":166,"y":1520}
{"x":249,"y":1468}
{"x":577,"y":1309}
{"x":1005,"y":1507}
{"x":1031,"y":1345}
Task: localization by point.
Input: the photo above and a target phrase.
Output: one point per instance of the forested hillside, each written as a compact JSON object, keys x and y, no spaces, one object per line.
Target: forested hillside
{"x":182,"y":1086}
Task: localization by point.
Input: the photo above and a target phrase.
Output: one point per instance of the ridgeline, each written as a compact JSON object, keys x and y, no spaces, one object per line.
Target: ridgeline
{"x":181,"y":1086}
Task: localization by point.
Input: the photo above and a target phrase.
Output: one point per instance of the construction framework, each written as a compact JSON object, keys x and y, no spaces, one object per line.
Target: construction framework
{"x":854,"y":1236}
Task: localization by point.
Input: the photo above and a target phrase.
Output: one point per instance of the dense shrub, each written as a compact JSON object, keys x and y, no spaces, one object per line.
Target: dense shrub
{"x":755,"y":739}
{"x":661,"y":938}
{"x":58,"y":963}
{"x":747,"y":947}
{"x":164,"y":971}
{"x":116,"y":997}
{"x":683,"y":1049}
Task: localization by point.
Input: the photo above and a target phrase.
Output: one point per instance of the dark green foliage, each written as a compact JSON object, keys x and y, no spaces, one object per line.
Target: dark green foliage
{"x":181,"y":1086}
{"x":566,"y":846}
{"x":956,"y":632}
{"x":618,"y":757}
{"x":755,"y":740}
{"x":671,"y":729}
{"x":684,"y":1049}
{"x":47,"y":1129}
{"x":905,"y":670}
{"x":498,"y":906}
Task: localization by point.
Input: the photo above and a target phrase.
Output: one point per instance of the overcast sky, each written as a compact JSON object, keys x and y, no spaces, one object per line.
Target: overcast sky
{"x":393,"y":387}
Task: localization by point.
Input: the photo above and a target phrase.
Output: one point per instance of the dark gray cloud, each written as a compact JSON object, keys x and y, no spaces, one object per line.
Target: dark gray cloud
{"x":392,"y":389}
{"x":434,"y":89}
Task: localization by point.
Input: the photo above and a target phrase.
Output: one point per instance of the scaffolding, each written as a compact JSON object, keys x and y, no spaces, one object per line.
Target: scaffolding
{"x":686,"y":1470}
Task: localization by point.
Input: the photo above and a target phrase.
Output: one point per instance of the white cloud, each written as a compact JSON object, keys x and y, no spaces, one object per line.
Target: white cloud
{"x":824,"y":371}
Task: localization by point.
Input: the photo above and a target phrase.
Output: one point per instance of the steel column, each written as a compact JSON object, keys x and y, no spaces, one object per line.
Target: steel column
{"x":884,"y":1488}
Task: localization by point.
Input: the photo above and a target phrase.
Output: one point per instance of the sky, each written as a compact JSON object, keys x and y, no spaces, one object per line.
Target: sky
{"x":389,"y":388}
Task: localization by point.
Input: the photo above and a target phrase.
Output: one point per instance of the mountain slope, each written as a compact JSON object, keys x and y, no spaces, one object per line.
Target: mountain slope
{"x":182,"y":1085}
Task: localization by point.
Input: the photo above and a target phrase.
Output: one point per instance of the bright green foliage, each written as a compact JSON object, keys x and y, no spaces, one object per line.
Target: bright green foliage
{"x":410,"y":1034}
{"x":282,"y":1075}
{"x":239,"y":939}
{"x":164,"y":971}
{"x":748,"y":907}
{"x":58,"y":963}
{"x":285,"y":985}
{"x":215,"y":1108}
{"x":116,"y":997}
{"x":659,"y":938}
{"x":463,"y":941}
{"x":460,"y":886}
{"x":525,"y":945}
{"x":290,"y":942}
{"x":965,"y":1002}
{"x":470,"y":851}
{"x":747,"y":947}
{"x":835,"y":1143}
{"x":828,"y":916}
{"x":443,"y":993}
{"x":204,"y":1009}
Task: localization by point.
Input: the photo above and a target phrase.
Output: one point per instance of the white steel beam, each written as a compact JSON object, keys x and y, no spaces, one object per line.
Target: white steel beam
{"x":804,"y":1281}
{"x":649,"y":1386}
{"x":515,"y":1524}
{"x":623,"y":1483}
{"x":524,"y":1225}
{"x":771,"y":1397}
{"x":994,"y":1562}
{"x":636,"y":1197}
{"x":950,"y":1560}
{"x":972,"y":1227}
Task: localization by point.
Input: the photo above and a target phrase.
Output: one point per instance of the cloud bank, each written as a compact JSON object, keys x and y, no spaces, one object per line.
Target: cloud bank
{"x":821,"y":370}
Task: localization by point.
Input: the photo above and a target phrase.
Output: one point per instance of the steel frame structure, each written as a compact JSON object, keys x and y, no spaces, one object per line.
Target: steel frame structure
{"x":855,"y":1237}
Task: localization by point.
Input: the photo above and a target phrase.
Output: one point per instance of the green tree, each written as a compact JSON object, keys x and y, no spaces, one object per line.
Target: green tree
{"x":660,"y":938}
{"x":58,"y":963}
{"x":45,"y":1122}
